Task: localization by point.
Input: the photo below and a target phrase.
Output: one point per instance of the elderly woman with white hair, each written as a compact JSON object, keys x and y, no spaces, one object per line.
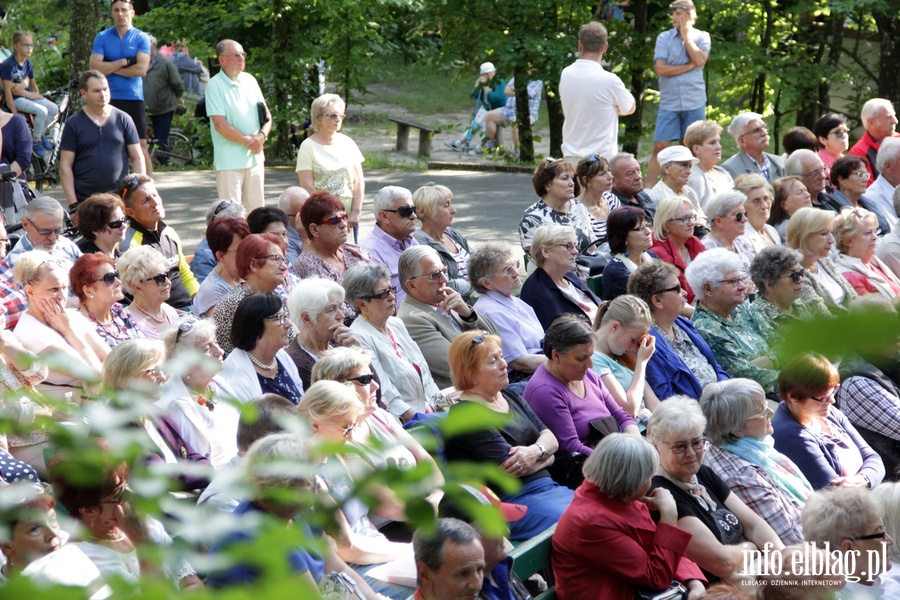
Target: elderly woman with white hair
{"x":676,"y":163}
{"x":329,"y":161}
{"x":494,"y":274}
{"x":742,"y":453}
{"x":811,"y":231}
{"x":204,"y":260}
{"x":407,"y":386}
{"x":733,"y":331}
{"x":553,"y":289}
{"x":673,"y":237}
{"x":856,"y":237}
{"x":727,"y":220}
{"x":851,"y":522}
{"x":888,"y":496}
{"x":315,"y":309}
{"x":144,"y":275}
{"x":611,"y":509}
{"x":759,"y":195}
{"x":434,"y":207}
{"x":196,"y":397}
{"x":722,"y":526}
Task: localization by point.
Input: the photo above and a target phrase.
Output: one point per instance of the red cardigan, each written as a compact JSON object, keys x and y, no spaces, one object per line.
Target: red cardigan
{"x":603,"y":548}
{"x":667,"y":252}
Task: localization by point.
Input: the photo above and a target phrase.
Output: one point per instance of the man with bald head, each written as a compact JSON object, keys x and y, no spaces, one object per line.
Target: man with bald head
{"x":880,"y":120}
{"x":291,"y":201}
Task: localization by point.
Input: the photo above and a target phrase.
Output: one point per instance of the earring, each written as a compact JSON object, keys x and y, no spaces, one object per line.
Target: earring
{"x":91,"y":296}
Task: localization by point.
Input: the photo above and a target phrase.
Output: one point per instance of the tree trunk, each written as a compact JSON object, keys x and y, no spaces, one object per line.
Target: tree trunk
{"x":555,"y":116}
{"x":523,"y":116}
{"x":82,"y":29}
{"x":634,"y":123}
{"x":888,"y":32}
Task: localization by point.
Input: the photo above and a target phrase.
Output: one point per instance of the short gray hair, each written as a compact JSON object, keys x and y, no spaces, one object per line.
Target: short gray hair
{"x":408,"y":265}
{"x":709,"y":267}
{"x":546,"y":236}
{"x":231,"y":209}
{"x":888,"y":494}
{"x":723,"y":203}
{"x":675,"y":416}
{"x":768,"y":264}
{"x":838,"y":513}
{"x":871,"y":107}
{"x":620,"y":465}
{"x":290,"y":194}
{"x":737,"y":125}
{"x":280,"y":460}
{"x":889,"y":150}
{"x":429,"y":547}
{"x":794,"y":163}
{"x":360,"y":279}
{"x":385,"y":197}
{"x":139,"y":263}
{"x":615,"y":160}
{"x":311,"y":296}
{"x":199,"y":331}
{"x":336,"y":364}
{"x":326,"y":400}
{"x":483,"y":264}
{"x":43,"y":205}
{"x":727,"y":405}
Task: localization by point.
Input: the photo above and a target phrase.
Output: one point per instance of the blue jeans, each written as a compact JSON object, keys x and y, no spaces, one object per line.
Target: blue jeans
{"x":162,"y":125}
{"x":671,"y":125}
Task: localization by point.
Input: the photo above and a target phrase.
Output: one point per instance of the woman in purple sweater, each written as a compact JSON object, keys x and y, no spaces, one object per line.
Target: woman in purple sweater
{"x":570,"y":398}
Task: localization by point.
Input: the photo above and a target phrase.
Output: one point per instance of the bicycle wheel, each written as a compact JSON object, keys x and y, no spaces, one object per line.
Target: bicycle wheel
{"x":180,"y":148}
{"x":35,"y":173}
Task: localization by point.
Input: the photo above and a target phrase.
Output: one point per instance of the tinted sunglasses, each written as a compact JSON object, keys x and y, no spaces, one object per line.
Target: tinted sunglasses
{"x":130,"y":184}
{"x":382,"y":296}
{"x":363,"y":379}
{"x":185,"y":328}
{"x":796,"y":276}
{"x":221,"y":206}
{"x":117,"y":224}
{"x":160,"y":279}
{"x":404,"y":211}
{"x":337,"y":220}
{"x":109,"y":278}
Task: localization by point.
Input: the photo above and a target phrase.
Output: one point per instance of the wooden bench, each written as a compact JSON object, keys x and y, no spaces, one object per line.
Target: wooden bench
{"x":533,"y":556}
{"x":425,"y":135}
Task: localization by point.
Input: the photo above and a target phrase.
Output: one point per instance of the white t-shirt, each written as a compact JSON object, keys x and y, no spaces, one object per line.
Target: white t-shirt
{"x":592,"y":99}
{"x":37,"y":337}
{"x":332,"y":166}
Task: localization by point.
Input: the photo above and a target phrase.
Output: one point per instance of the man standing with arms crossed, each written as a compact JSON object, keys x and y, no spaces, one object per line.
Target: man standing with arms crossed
{"x":122,"y":53}
{"x":233,"y":101}
{"x":679,"y":58}
{"x":592,"y":99}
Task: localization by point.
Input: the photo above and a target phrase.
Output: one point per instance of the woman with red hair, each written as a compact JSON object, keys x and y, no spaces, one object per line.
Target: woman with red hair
{"x":95,"y":282}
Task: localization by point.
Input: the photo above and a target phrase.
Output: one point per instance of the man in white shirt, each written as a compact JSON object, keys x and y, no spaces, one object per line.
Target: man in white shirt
{"x":888,"y":164}
{"x":592,"y":99}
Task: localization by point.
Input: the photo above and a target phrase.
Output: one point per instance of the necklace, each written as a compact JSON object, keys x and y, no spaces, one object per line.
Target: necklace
{"x":207,"y":397}
{"x":261,"y":365}
{"x":146,"y":313}
{"x":114,"y":329}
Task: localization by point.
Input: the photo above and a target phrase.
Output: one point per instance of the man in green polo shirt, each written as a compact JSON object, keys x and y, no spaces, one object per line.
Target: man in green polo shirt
{"x":232,"y":101}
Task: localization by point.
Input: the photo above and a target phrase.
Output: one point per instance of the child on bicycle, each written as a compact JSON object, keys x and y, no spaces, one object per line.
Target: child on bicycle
{"x":22,"y":93}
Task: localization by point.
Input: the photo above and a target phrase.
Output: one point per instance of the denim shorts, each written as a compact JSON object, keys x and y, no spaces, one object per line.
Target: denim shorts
{"x":671,"y":125}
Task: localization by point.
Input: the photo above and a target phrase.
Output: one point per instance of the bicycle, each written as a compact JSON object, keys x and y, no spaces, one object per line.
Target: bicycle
{"x":45,"y":171}
{"x":180,"y":148}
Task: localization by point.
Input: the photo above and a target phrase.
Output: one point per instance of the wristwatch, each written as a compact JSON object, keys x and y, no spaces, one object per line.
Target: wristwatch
{"x":541,"y":448}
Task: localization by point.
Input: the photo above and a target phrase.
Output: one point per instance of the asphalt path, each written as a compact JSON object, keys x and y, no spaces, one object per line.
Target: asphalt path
{"x":489,"y":204}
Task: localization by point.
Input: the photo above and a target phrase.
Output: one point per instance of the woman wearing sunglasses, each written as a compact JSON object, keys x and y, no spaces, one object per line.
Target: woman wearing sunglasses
{"x":101,"y":222}
{"x":259,"y":364}
{"x":327,"y":253}
{"x":790,"y":196}
{"x":817,"y":436}
{"x":727,"y":220}
{"x":144,"y":271}
{"x":95,"y":282}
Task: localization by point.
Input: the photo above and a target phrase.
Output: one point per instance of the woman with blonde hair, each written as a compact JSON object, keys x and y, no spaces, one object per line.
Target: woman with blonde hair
{"x":434,"y":207}
{"x":759,"y":195}
{"x":674,"y":239}
{"x":622,"y":351}
{"x":856,"y":237}
{"x":704,"y":140}
{"x":144,"y":275}
{"x":329,"y":161}
{"x":811,"y":231}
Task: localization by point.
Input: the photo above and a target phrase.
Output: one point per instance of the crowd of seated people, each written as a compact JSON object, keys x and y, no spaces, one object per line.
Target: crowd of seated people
{"x":672,"y":422}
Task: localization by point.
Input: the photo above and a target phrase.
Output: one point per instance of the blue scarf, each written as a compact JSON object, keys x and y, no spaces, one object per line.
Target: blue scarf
{"x":786,"y":475}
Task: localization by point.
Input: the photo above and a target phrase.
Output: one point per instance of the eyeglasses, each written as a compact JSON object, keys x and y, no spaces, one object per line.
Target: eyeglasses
{"x":511,"y":270}
{"x":129,"y":185}
{"x":698,"y":445}
{"x":276,"y":257}
{"x":864,"y":175}
{"x":117,"y":224}
{"x":334,"y":116}
{"x":674,"y":288}
{"x":185,"y":328}
{"x":839,"y":133}
{"x":815,"y":172}
{"x":335,"y":220}
{"x":44,"y":232}
{"x":221,"y":206}
{"x":685,"y":219}
{"x":878,"y":535}
{"x":109,"y":278}
{"x":763,"y":415}
{"x":346,"y":431}
{"x":736,"y":281}
{"x":830,"y":395}
{"x":568,"y":246}
{"x":161,"y":279}
{"x":796,"y":276}
{"x":155,"y":373}
{"x":404,"y":211}
{"x":362,"y":379}
{"x":642,"y":227}
{"x":381,"y":295}
{"x":280,"y":317}
{"x":757,"y":131}
{"x":739,"y":217}
{"x":433,"y":276}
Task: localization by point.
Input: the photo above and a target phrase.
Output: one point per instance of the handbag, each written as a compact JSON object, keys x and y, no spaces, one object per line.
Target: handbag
{"x":676,"y":591}
{"x":600,"y":428}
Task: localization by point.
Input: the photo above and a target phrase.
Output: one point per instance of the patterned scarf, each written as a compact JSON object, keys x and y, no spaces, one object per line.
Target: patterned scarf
{"x":697,"y":491}
{"x":777,"y":466}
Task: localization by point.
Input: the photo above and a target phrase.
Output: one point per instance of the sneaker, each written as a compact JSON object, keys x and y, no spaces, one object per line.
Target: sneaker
{"x":39,"y":149}
{"x":476,"y":151}
{"x":456,"y":145}
{"x":45,"y":141}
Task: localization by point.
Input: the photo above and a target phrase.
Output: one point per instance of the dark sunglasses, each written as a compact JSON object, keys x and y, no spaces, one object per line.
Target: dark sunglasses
{"x":872,"y":536}
{"x":740,"y":216}
{"x":160,"y":279}
{"x":381,"y":296}
{"x":336,"y":220}
{"x":185,"y":328}
{"x":109,"y":278}
{"x":674,"y":288}
{"x":130,"y":184}
{"x":592,"y":159}
{"x":796,"y":276}
{"x":363,"y":379}
{"x":479,"y":339}
{"x":404,"y":211}
{"x":221,"y":206}
{"x":117,"y":224}
{"x":433,"y":276}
